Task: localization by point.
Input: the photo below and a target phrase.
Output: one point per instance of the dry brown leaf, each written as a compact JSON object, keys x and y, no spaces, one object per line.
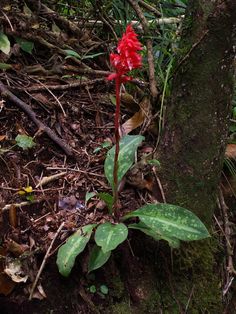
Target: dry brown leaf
{"x":138,"y":118}
{"x":2,"y":137}
{"x":230,"y":151}
{"x":135,"y":121}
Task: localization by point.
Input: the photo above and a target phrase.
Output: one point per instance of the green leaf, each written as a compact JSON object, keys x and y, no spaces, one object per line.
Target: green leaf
{"x":5,"y":66}
{"x":171,"y":221}
{"x":30,"y":198}
{"x":72,"y":53}
{"x":24,"y":141}
{"x":154,"y":162}
{"x":74,"y":245}
{"x":5,"y":45}
{"x":232,"y":127}
{"x":92,"y":289}
{"x":93,"y":55}
{"x":25,"y":45}
{"x":88,"y":196}
{"x":234,"y":112}
{"x":173,"y":242}
{"x":97,"y":258}
{"x":104,"y":289}
{"x":112,"y":99}
{"x":107,"y":198}
{"x":105,"y":144}
{"x":128,"y":148}
{"x":109,"y":236}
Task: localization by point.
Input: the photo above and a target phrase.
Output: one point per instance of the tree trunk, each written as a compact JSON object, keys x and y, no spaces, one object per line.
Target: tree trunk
{"x":194,"y":139}
{"x":193,"y":143}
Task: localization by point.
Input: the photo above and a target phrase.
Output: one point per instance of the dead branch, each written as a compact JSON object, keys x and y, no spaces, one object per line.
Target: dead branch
{"x":42,"y":127}
{"x":160,"y":21}
{"x":22,"y":204}
{"x":78,"y":83}
{"x":64,"y":22}
{"x":44,"y":260}
{"x":149,"y":8}
{"x":46,"y":180}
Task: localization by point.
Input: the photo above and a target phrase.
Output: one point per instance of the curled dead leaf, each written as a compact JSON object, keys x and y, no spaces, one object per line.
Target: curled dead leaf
{"x":14,"y":270}
{"x":138,"y":118}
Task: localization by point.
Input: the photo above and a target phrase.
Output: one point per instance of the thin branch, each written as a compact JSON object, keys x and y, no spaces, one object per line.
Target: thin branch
{"x":149,"y":8}
{"x":161,"y":21}
{"x":44,"y":260}
{"x":78,"y":83}
{"x":19,"y":205}
{"x":51,"y":93}
{"x":8,"y":20}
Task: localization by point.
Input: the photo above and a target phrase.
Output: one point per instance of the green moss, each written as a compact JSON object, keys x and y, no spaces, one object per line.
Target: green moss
{"x":151,"y":305}
{"x":120,"y":308}
{"x":188,"y":278}
{"x":195,"y":280}
{"x":118,"y":288}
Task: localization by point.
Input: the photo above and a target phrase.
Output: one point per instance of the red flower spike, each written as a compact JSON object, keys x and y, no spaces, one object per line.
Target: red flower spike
{"x":124,"y":61}
{"x":127,"y":57}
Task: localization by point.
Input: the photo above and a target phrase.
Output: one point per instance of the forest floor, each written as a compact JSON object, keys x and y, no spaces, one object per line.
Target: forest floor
{"x":34,"y":209}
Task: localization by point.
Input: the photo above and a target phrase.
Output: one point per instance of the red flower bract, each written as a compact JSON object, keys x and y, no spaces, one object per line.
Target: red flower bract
{"x":127,"y":57}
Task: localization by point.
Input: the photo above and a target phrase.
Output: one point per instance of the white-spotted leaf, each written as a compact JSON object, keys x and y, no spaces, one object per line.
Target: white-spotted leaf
{"x":173,"y":242}
{"x":109,"y":236}
{"x":74,"y":245}
{"x":97,"y":258}
{"x":128,"y":148}
{"x":171,"y":221}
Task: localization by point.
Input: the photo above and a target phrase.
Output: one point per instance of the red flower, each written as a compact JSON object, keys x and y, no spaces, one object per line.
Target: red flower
{"x":127,"y":57}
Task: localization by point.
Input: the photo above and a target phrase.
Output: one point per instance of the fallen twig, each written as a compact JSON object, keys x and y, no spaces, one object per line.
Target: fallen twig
{"x":50,"y":92}
{"x":42,"y":127}
{"x":46,"y":180}
{"x":76,"y":170}
{"x":18,"y":205}
{"x":78,"y":83}
{"x":44,"y":260}
{"x":159,"y":185}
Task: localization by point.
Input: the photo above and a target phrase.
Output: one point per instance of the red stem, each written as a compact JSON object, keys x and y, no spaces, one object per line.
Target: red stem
{"x":117,"y":148}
